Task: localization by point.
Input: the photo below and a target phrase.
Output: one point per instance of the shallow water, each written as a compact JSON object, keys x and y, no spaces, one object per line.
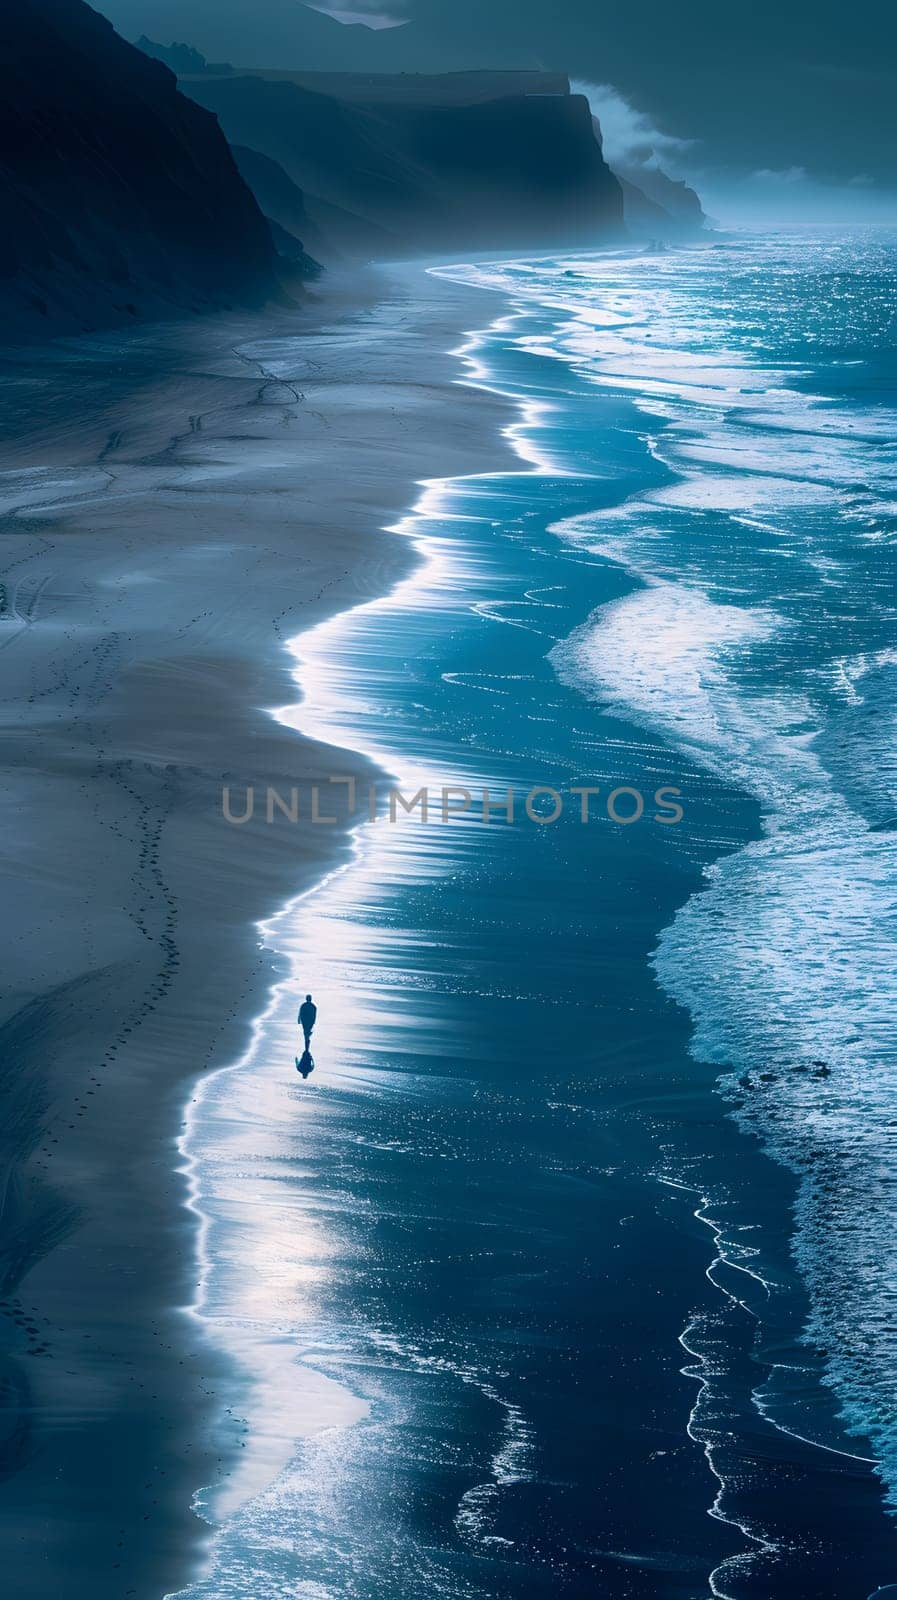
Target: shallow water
{"x":510,"y":1292}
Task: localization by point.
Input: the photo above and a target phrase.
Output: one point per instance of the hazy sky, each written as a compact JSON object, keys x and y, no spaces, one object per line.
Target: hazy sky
{"x":774,"y":107}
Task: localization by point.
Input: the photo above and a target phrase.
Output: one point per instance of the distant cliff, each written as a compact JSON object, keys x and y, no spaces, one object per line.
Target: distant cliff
{"x":412,"y":164}
{"x":654,"y":204}
{"x":119,"y":196}
{"x":658,"y":204}
{"x":330,"y":234}
{"x":180,"y":57}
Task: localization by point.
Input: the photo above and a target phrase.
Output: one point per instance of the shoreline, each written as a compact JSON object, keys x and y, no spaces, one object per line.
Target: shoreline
{"x":203,"y":438}
{"x":279,"y":1380}
{"x":672,"y":1088}
{"x":307,"y":1207}
{"x":727,"y":1412}
{"x":787,"y":1322}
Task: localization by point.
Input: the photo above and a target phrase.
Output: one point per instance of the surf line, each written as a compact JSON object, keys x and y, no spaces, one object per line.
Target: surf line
{"x":325,"y":709}
{"x":702,"y":1373}
{"x":763,"y":1543}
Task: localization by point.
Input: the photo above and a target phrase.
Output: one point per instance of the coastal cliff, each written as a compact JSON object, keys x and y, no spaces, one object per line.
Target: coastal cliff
{"x":395,"y":166}
{"x":421,"y":123}
{"x":120,"y":196}
{"x":656,"y":204}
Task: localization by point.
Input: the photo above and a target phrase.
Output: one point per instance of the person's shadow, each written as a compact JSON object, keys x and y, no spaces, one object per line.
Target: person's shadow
{"x":305,"y":1065}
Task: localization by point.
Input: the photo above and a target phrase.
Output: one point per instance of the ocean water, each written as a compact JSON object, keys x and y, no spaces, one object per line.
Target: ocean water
{"x":571,"y":1270}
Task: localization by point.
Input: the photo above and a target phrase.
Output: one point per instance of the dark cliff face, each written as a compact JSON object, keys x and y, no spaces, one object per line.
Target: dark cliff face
{"x":673,"y":198}
{"x":429,"y":165}
{"x":275,"y":192}
{"x":322,"y":228}
{"x":119,"y":197}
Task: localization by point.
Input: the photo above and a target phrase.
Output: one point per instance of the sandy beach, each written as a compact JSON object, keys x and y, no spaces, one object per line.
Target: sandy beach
{"x":510,"y":1214}
{"x":586,"y":1322}
{"x":177,"y":503}
{"x":448,"y":698}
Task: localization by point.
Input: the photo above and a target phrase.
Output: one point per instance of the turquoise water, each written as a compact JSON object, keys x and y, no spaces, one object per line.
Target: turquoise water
{"x":572,"y":1268}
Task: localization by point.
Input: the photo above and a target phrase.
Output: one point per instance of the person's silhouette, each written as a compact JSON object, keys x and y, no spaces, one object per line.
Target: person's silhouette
{"x":308,"y":1012}
{"x":306,"y":1065}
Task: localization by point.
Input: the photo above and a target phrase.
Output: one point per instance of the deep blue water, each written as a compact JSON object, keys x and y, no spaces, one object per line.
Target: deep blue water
{"x":589,"y":1201}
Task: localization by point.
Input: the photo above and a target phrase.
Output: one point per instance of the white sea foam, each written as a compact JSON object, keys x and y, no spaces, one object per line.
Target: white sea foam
{"x":661,"y":654}
{"x":787,"y":960}
{"x":301,"y":1383}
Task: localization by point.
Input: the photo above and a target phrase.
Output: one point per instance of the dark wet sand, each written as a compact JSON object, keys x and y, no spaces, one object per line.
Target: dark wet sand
{"x":172,"y":513}
{"x":509,"y":1176}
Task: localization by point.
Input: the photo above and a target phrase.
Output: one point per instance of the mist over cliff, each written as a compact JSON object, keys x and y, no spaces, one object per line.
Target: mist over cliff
{"x":129,"y":193}
{"x":789,"y":107}
{"x":441,"y":171}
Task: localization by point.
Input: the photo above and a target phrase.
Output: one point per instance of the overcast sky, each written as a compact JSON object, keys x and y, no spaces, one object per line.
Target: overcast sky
{"x":775,"y":107}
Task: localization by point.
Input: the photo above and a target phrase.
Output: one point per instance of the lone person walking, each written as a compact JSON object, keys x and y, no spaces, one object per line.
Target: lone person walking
{"x":308,"y":1012}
